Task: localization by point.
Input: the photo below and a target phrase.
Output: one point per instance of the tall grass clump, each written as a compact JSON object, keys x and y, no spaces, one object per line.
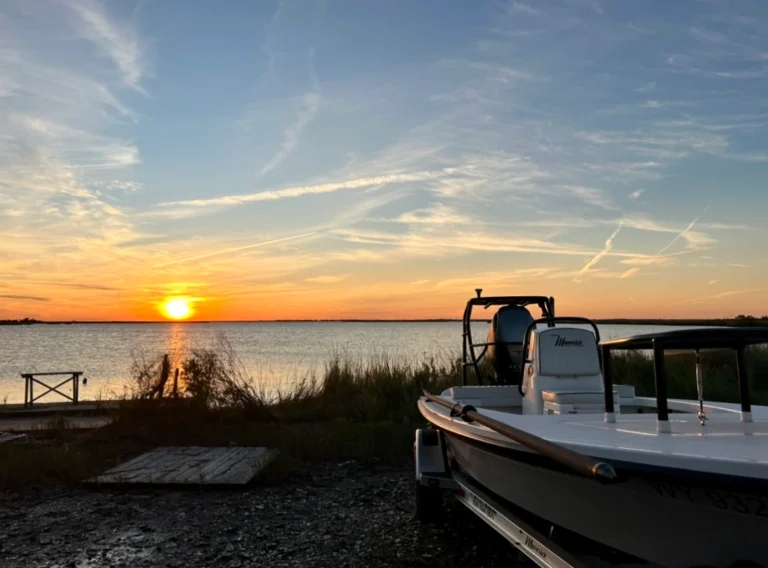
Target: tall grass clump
{"x":368,"y":390}
{"x":360,"y":389}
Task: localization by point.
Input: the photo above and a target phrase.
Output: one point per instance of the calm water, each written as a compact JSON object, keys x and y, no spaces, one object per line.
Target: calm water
{"x":274,"y":353}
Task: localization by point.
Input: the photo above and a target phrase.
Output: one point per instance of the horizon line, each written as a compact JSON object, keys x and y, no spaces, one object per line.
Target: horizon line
{"x":636,"y":321}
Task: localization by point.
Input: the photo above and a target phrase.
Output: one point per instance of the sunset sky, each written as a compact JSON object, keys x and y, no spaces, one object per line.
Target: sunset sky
{"x":382,"y":158}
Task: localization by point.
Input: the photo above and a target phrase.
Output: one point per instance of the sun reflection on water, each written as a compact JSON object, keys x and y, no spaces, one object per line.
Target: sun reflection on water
{"x":177,"y":348}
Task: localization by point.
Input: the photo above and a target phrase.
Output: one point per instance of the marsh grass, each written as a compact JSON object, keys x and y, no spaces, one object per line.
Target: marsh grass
{"x":718,"y":369}
{"x":27,"y":465}
{"x":363,"y":409}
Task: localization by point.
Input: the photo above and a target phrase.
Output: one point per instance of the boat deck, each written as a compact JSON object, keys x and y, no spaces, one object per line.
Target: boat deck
{"x":724,"y":445}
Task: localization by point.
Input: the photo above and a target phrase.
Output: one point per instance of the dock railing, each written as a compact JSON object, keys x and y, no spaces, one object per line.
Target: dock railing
{"x":31,"y":378}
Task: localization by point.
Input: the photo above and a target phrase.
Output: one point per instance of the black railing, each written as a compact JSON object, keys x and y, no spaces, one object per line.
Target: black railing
{"x":737,"y":339}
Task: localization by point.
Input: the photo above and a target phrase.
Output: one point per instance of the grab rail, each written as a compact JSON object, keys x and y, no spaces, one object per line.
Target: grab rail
{"x":577,"y":462}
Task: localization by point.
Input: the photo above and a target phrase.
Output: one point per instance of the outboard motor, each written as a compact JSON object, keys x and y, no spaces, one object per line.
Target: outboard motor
{"x":505,"y":342}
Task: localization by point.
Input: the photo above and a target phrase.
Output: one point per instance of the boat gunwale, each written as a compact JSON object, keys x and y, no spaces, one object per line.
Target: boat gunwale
{"x":488,"y":439}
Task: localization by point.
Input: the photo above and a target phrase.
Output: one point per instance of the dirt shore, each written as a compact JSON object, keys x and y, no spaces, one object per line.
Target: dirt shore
{"x":336,"y":514}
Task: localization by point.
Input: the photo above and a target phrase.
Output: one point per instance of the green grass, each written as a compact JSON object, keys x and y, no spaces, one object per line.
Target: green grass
{"x":356,"y":409}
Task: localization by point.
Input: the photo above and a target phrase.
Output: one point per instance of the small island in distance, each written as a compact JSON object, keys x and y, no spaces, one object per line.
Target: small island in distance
{"x":25,"y":321}
{"x":738,"y":321}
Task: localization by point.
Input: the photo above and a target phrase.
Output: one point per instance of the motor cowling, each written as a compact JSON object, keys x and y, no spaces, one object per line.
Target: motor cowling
{"x":505,"y":339}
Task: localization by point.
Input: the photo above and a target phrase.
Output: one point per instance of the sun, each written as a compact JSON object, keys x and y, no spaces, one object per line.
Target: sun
{"x":177,"y":308}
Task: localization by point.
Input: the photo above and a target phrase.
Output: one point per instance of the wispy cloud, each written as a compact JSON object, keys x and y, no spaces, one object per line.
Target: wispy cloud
{"x":651,"y":260}
{"x":311,"y":102}
{"x":636,"y":194}
{"x":25,"y":298}
{"x":119,"y":43}
{"x":439,"y":214}
{"x":269,"y":37}
{"x":641,"y":30}
{"x":593,"y":5}
{"x":721,"y":295}
{"x":694,"y":239}
{"x":328,"y":278}
{"x":646,"y":87}
{"x":628,"y":171}
{"x":63,"y":284}
{"x":591,"y":195}
{"x":235,"y":249}
{"x":494,"y":71}
{"x":706,"y":35}
{"x":450,"y":242}
{"x":494,"y":278}
{"x":297,"y":191}
{"x":599,"y":256}
{"x":525,"y":9}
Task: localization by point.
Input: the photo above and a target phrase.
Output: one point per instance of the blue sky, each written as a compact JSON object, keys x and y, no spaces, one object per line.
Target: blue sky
{"x":382,"y":159}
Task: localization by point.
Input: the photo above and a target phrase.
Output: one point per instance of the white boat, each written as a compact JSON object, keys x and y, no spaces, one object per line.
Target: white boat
{"x":665,"y":482}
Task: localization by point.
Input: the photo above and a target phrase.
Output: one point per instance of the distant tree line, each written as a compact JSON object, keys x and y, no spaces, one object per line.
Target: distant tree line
{"x":25,"y":321}
{"x":748,"y":321}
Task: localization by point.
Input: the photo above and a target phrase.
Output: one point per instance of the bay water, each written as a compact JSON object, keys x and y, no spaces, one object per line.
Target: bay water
{"x":274,"y":353}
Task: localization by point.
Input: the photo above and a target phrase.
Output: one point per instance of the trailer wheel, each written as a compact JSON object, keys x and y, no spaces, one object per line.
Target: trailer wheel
{"x":429,"y":503}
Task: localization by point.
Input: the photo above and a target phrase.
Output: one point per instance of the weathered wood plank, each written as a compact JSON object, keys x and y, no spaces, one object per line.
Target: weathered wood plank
{"x":5,"y":438}
{"x":242,"y":472}
{"x":219,"y":467}
{"x":134,"y":463}
{"x":136,"y":467}
{"x":191,"y":470}
{"x":159,"y":464}
{"x":190,"y":465}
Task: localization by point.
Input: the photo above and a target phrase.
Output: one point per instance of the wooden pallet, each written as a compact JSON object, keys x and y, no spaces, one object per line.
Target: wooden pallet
{"x":193,"y":465}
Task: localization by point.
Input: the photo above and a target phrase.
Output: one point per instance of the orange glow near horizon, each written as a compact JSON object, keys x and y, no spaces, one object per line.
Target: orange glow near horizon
{"x":177,"y":309}
{"x":371,"y":295}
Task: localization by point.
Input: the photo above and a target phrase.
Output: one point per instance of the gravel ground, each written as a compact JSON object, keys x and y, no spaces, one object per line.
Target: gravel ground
{"x":331,"y":515}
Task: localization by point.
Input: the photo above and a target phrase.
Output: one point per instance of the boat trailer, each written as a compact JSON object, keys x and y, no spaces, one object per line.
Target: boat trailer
{"x":435,"y":477}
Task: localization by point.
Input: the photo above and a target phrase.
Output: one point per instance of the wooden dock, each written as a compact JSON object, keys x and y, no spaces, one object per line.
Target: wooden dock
{"x":49,"y":408}
{"x":42,"y":423}
{"x":45,"y":416}
{"x":6,"y":438}
{"x":193,"y":465}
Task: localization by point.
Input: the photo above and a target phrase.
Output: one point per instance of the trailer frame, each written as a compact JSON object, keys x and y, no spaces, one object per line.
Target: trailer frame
{"x":435,"y":476}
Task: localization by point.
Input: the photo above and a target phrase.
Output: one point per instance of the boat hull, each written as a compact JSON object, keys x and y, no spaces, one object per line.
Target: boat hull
{"x":671,"y":522}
